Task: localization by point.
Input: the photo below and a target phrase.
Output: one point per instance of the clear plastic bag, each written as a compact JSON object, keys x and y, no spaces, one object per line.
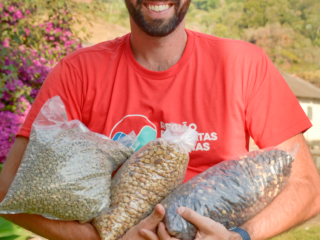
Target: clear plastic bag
{"x":230,"y":192}
{"x":145,"y":179}
{"x":65,"y":173}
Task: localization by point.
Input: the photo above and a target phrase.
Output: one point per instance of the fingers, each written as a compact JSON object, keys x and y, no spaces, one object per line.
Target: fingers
{"x":196,"y":219}
{"x":163,"y":233}
{"x":148,"y":235}
{"x":152,"y":221}
{"x":156,"y":216}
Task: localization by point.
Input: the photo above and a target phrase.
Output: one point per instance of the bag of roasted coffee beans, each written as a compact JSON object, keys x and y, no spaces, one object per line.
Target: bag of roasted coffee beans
{"x":230,"y":192}
{"x":65,"y":173}
{"x":145,"y":179}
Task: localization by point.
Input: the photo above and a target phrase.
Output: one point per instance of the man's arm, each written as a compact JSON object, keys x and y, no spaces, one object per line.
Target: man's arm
{"x":51,"y":229}
{"x":298,"y":202}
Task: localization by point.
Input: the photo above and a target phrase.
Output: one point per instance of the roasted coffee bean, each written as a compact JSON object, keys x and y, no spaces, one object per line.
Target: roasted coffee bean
{"x":65,"y":174}
{"x":231,"y":192}
{"x":142,"y":182}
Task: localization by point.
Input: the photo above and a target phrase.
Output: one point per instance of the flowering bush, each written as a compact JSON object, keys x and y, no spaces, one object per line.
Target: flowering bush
{"x":30,"y":46}
{"x":10,"y":124}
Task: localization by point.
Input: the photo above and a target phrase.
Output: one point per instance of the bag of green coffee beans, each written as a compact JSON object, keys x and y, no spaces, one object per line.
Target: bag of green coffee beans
{"x":230,"y":192}
{"x":146,"y":178}
{"x":65,"y":173}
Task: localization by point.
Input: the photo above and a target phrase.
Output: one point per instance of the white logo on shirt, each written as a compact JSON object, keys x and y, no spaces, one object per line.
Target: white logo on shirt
{"x":204,"y":139}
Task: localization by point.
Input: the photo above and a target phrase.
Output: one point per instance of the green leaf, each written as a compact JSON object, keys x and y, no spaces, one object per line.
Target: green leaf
{"x":16,"y":38}
{"x":10,"y":231}
{"x":15,"y":237}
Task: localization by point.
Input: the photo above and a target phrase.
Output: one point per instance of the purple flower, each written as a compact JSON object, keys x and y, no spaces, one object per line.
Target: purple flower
{"x":11,"y":8}
{"x":11,"y":86}
{"x":34,"y":53}
{"x":49,"y":27}
{"x":27,"y":31}
{"x":57,"y":30}
{"x":6,"y":43}
{"x":62,"y":38}
{"x":67,"y":33}
{"x":23,"y":107}
{"x":18,"y":14}
{"x":6,"y":96}
{"x":10,"y":124}
{"x":22,"y":48}
{"x":34,"y":93}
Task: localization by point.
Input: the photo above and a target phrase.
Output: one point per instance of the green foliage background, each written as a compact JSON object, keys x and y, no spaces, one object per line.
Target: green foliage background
{"x":288,"y":30}
{"x":311,"y":233}
{"x":9,"y":231}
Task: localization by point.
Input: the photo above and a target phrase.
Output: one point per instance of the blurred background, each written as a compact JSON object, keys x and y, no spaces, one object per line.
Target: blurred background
{"x":35,"y":34}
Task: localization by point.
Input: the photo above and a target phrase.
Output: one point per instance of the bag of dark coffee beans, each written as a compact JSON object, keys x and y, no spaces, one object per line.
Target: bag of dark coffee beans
{"x":65,"y":173}
{"x":145,"y":179}
{"x":230,"y":192}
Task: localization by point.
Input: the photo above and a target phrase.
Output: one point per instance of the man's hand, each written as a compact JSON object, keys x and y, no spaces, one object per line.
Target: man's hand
{"x":148,"y":224}
{"x":207,"y":228}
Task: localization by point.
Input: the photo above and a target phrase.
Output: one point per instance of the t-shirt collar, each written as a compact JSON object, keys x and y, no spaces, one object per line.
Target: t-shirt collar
{"x":155,"y":75}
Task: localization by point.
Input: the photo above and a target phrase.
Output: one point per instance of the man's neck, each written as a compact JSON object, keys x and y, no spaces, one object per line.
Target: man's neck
{"x":158,"y":53}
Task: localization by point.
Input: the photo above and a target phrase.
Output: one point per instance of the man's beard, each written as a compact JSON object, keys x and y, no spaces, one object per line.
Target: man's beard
{"x":158,"y":27}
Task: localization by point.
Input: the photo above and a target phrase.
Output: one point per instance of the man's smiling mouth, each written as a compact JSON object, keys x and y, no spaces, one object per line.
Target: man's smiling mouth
{"x":158,"y":7}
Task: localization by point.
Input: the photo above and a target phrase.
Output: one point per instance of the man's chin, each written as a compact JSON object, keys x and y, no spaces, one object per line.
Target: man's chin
{"x":158,"y":31}
{"x":157,"y":27}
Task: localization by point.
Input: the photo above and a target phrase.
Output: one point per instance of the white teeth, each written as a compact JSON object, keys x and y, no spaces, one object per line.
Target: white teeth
{"x":158,"y":8}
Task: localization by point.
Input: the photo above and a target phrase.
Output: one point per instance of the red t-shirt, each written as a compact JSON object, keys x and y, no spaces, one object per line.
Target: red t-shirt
{"x":227,"y":90}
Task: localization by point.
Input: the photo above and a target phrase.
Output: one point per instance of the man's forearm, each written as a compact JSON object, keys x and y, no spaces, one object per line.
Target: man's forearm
{"x":52,"y":229}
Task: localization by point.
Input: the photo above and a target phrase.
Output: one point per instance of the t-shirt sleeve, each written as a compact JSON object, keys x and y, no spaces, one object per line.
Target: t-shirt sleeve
{"x":273,"y":113}
{"x":63,"y":81}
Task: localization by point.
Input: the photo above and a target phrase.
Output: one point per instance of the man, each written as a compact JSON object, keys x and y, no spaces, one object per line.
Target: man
{"x":162,"y":73}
